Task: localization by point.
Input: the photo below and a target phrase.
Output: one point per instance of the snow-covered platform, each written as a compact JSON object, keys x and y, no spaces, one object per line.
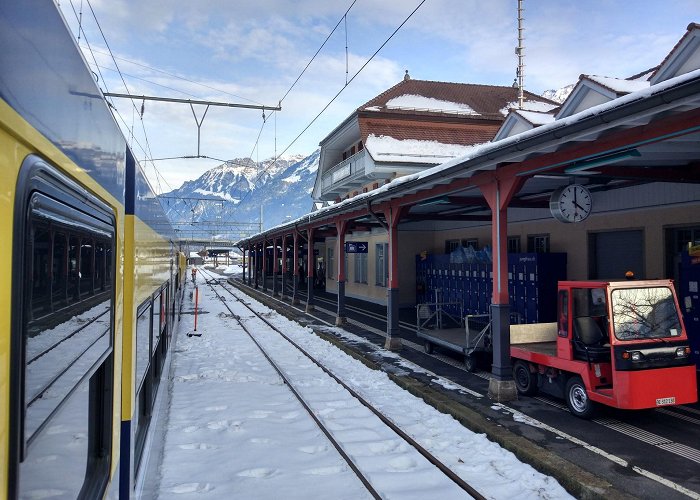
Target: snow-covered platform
{"x":231,"y":428}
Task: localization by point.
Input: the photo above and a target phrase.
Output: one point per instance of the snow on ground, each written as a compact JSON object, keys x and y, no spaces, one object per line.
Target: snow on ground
{"x":235,"y":430}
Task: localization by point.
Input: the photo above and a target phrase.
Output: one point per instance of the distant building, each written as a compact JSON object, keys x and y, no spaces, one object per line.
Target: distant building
{"x":410,"y":127}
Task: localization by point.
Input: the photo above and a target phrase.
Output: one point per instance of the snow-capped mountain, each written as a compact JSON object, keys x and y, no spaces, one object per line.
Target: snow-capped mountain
{"x":233,"y":192}
{"x":558,"y":95}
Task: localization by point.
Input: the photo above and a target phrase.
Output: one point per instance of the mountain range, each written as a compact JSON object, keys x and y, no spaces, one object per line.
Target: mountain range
{"x":229,"y":197}
{"x":226,"y":202}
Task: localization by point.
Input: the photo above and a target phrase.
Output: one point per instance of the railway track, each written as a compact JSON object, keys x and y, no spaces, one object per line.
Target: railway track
{"x":255,"y":324}
{"x":638,"y":430}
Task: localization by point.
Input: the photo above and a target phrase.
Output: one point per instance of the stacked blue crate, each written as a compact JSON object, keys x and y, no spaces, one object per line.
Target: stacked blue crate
{"x":532,"y":284}
{"x":689,"y":286}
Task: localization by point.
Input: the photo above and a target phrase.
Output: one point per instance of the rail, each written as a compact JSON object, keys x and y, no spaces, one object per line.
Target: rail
{"x":420,"y":449}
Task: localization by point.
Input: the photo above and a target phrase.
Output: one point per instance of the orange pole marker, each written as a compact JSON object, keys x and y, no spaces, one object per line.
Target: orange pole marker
{"x":196,"y":304}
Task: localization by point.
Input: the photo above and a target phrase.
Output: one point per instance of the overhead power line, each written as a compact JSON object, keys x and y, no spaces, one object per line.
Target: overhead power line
{"x":173,"y":75}
{"x":340,"y":91}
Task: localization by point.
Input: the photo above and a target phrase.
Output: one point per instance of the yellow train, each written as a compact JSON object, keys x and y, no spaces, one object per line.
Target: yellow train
{"x":93,"y":275}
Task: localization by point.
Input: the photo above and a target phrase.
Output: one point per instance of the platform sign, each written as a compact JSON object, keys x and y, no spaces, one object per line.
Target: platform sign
{"x":356,"y":247}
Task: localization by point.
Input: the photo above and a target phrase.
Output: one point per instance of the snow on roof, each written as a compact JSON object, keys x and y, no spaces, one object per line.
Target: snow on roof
{"x":419,"y":102}
{"x":383,"y":148}
{"x":483,"y":149}
{"x":543,"y":107}
{"x":619,"y":85}
{"x":535,"y":117}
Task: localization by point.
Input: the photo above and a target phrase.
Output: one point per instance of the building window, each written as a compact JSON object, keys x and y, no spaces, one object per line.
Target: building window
{"x":381,"y":264}
{"x":360,"y":146}
{"x":361,"y":268}
{"x":471,"y":242}
{"x":513,"y":244}
{"x":538,"y":243}
{"x":451,"y":245}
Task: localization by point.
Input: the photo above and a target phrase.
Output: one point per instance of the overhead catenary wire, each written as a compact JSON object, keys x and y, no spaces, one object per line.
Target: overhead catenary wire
{"x":146,"y":149}
{"x":342,"y":89}
{"x":173,"y":75}
{"x":319,"y":50}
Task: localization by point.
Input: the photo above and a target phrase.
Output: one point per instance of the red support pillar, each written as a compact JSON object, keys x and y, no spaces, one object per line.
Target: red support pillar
{"x":275,"y":267}
{"x":341,"y":225}
{"x":498,"y":193}
{"x":242,"y":249}
{"x":264,"y":265}
{"x":393,"y":216}
{"x":284,"y":265}
{"x":295,"y":269}
{"x":310,"y":269}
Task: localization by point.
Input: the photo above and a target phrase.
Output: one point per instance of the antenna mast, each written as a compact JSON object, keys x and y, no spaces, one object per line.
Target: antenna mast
{"x":520,"y":51}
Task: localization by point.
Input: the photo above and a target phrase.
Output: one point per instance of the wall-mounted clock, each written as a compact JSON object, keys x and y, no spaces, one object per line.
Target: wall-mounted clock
{"x":571,"y":203}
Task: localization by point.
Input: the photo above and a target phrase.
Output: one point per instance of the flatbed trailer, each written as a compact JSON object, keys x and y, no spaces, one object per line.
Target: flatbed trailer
{"x":471,"y":337}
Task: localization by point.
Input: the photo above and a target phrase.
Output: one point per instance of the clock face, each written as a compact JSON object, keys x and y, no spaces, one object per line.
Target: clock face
{"x":571,"y":203}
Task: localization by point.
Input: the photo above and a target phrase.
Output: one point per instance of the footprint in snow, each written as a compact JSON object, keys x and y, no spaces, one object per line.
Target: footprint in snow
{"x":224,"y":424}
{"x":264,"y":441}
{"x":324,"y":471}
{"x":401,"y":464}
{"x":216,"y":408}
{"x":259,"y":473}
{"x":198,"y":446}
{"x":383,"y":446}
{"x":191,"y":488}
{"x":312,"y":450}
{"x":259,"y":414}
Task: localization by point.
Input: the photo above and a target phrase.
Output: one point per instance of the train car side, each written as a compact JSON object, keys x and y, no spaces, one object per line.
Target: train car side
{"x":86,"y":246}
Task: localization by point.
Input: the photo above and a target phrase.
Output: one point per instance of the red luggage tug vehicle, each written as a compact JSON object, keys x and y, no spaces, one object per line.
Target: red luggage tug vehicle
{"x":622,"y":344}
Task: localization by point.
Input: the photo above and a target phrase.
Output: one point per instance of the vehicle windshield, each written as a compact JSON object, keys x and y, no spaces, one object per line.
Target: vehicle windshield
{"x":644,"y":313}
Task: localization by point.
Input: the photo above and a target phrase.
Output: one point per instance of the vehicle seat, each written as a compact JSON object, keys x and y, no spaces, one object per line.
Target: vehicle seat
{"x":590,"y":343}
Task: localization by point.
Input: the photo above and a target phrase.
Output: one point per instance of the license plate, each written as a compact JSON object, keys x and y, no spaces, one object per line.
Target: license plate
{"x":665,"y":401}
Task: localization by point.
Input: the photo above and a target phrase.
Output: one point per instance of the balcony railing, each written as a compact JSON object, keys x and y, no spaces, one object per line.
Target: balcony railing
{"x":345,"y":174}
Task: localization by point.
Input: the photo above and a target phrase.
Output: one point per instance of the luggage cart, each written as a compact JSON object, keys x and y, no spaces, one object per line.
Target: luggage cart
{"x":470,"y":336}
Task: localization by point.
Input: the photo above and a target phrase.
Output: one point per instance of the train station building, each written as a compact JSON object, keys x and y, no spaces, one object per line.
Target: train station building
{"x":429,"y":175}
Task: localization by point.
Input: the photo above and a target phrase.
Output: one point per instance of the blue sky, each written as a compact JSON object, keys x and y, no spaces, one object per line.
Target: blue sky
{"x":252,"y":52}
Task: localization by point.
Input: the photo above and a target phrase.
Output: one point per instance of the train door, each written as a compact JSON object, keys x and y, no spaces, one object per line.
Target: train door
{"x":62,"y":339}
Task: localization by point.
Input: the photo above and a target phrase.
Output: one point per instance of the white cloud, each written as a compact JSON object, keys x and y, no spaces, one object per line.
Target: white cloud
{"x":253,"y":51}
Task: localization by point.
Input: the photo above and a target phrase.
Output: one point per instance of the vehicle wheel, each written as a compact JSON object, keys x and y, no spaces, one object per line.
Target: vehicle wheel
{"x":525,"y":380}
{"x":577,"y":398}
{"x":428,"y":347}
{"x":470,"y":362}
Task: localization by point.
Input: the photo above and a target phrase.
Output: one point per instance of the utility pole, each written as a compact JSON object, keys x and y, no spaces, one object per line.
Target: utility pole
{"x":520,"y":51}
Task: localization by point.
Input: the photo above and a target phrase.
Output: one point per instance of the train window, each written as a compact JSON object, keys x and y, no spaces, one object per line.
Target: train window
{"x":59,"y":270}
{"x":41,"y":293}
{"x":87,"y":263}
{"x":99,"y":266}
{"x":143,"y":339}
{"x":73,"y":269}
{"x":157,"y":301}
{"x":63,"y":409}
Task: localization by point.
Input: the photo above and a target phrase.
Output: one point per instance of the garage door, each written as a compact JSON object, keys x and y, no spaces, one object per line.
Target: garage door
{"x":614,"y":253}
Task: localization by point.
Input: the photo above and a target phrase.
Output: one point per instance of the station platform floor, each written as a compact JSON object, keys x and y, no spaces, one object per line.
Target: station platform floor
{"x":608,"y":454}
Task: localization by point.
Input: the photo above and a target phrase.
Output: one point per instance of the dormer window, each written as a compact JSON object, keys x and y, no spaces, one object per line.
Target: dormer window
{"x":360,"y":146}
{"x":352,"y":150}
